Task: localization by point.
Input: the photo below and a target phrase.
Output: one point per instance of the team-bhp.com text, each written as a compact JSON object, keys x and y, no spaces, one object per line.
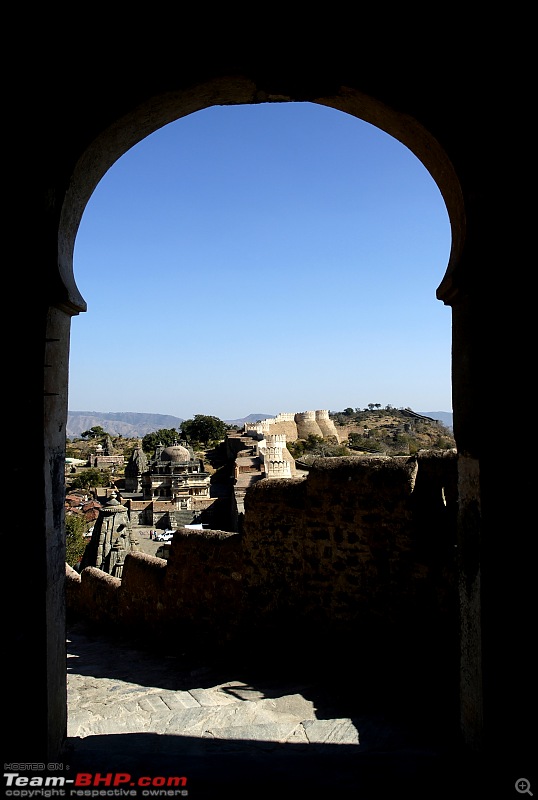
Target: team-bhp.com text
{"x":87,"y":784}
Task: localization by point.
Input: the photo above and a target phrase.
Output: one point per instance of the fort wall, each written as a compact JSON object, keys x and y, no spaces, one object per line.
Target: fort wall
{"x":287,"y":427}
{"x":295,"y":426}
{"x":307,"y":424}
{"x":271,"y":427}
{"x":326,"y":425}
{"x":361,"y":550}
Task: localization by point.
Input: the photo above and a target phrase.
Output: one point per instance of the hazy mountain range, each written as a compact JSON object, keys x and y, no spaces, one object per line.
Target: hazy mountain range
{"x":131,"y":425}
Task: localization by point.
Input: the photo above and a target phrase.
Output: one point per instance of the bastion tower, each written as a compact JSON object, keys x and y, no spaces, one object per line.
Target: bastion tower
{"x":307,"y":424}
{"x":326,"y":425}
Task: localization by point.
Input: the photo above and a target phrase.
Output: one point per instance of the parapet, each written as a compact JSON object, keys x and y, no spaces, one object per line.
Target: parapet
{"x":276,"y":439}
{"x":351,"y":532}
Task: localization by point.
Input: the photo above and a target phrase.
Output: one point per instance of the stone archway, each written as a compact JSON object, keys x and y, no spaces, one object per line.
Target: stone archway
{"x":114,"y":142}
{"x":94,"y":145}
{"x":130,"y":130}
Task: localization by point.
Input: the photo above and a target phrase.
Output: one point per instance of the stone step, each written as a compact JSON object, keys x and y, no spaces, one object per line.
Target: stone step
{"x":218,"y":712}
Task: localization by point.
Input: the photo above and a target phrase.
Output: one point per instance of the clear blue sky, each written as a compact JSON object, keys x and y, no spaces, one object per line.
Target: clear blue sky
{"x":259,"y":259}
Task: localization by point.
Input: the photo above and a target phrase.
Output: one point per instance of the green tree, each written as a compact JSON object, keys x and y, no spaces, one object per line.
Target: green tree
{"x":90,"y":478}
{"x":203,"y":430}
{"x":354,"y":439}
{"x":296,"y":448}
{"x":358,"y":442}
{"x":75,"y":544}
{"x":164,"y":436}
{"x":94,"y":433}
{"x":313,"y":443}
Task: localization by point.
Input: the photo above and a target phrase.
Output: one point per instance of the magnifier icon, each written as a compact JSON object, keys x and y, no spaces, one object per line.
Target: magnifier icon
{"x":523,"y":786}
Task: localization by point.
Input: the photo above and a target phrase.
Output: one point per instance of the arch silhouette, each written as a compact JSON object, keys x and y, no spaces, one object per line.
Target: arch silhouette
{"x":160,"y":111}
{"x":446,"y":130}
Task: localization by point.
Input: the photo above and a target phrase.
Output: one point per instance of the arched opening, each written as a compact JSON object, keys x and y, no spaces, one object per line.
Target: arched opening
{"x":446,"y":111}
{"x":75,"y":186}
{"x":453,"y":245}
{"x":285,"y":242}
{"x":112,"y":144}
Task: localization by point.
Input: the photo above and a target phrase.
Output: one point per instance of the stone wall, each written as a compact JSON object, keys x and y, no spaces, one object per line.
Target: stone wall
{"x":296,"y":426}
{"x":307,"y":425}
{"x":359,"y":554}
{"x":287,"y":427}
{"x":326,"y":425}
{"x":360,"y":538}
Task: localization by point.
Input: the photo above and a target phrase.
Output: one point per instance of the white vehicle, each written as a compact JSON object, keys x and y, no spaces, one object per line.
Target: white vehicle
{"x":165,"y":536}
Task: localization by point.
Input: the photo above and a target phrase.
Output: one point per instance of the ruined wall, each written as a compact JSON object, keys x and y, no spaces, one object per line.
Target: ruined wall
{"x":360,"y":551}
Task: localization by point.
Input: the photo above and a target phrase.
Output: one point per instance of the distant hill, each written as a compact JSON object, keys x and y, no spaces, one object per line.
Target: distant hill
{"x":131,"y":425}
{"x":128,"y":424}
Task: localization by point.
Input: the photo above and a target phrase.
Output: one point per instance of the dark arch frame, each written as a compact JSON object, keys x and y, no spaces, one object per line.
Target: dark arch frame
{"x":104,"y":118}
{"x":107,"y":148}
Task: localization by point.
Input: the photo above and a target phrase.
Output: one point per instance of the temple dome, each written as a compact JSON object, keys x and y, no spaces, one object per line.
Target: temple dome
{"x":175,"y":453}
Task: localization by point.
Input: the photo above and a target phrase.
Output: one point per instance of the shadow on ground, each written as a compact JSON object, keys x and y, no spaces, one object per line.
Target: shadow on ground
{"x":403,"y":747}
{"x":215,"y":769}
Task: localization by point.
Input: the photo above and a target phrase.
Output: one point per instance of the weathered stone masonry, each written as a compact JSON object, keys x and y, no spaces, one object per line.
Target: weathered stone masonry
{"x":360,"y":552}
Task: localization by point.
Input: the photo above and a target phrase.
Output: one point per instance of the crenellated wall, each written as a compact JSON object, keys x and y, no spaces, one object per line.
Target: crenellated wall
{"x":283,"y":424}
{"x":360,"y":551}
{"x":295,"y":426}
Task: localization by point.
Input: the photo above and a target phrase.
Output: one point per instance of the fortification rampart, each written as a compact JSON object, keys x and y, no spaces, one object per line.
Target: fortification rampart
{"x":362,"y":550}
{"x":326,"y":425}
{"x":295,"y":426}
{"x":287,"y":427}
{"x":270,"y":427}
{"x":307,"y":424}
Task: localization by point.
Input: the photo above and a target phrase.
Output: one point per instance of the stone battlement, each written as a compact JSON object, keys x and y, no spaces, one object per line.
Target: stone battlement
{"x":276,"y":439}
{"x":362,"y":545}
{"x":295,"y":426}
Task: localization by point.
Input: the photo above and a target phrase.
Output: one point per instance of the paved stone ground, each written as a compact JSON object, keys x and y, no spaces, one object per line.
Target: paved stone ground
{"x":145,"y":694}
{"x":249,"y":732}
{"x":239,"y":733}
{"x":145,"y":544}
